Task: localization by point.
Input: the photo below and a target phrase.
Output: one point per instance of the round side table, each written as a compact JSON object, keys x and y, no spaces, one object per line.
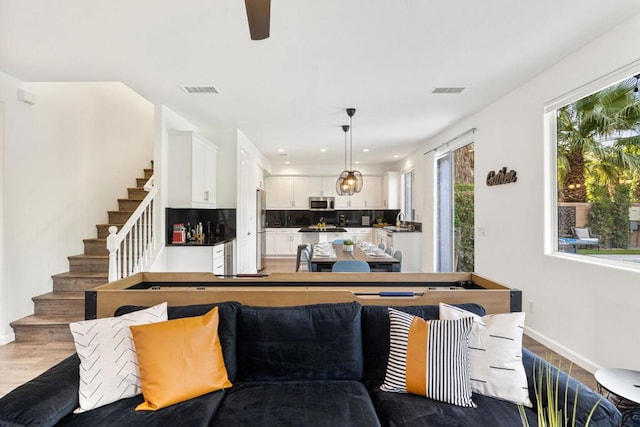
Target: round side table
{"x":622,"y":388}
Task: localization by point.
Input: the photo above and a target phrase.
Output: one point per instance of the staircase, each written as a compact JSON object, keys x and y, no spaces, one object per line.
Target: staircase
{"x":55,"y":310}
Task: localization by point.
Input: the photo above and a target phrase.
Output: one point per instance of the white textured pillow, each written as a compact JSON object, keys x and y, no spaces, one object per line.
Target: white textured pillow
{"x":495,"y":353}
{"x":108,"y":363}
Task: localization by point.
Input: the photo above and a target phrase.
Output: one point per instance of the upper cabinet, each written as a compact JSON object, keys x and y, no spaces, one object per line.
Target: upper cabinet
{"x":391,"y":190}
{"x":287,"y":192}
{"x":293,"y":192}
{"x":192,"y":171}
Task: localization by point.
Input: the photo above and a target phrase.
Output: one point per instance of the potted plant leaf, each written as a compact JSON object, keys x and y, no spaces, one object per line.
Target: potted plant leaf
{"x":347,"y":245}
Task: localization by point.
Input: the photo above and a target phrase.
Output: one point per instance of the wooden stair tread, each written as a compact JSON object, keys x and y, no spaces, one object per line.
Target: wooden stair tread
{"x":65,"y":295}
{"x":122,"y":212}
{"x":96,"y":239}
{"x":43,"y":320}
{"x":82,"y":275}
{"x":92,"y":256}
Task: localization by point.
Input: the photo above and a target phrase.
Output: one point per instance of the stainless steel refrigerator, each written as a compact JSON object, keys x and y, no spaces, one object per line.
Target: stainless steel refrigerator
{"x":261,"y":235}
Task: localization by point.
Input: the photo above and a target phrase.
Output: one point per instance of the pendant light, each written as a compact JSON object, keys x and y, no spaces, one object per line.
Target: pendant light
{"x":350,"y":181}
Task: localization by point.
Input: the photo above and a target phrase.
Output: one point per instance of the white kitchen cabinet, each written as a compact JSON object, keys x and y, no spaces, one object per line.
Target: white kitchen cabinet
{"x":218,"y":259}
{"x":380,"y":236}
{"x":287,"y":192}
{"x":322,"y":186}
{"x":283,"y":241}
{"x":371,"y":195}
{"x":359,"y":234}
{"x":391,"y":190}
{"x":194,"y":259}
{"x":192,"y":171}
{"x":410,"y":243}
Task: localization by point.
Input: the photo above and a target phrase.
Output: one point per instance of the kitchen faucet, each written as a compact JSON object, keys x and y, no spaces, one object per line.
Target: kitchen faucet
{"x":399,"y":217}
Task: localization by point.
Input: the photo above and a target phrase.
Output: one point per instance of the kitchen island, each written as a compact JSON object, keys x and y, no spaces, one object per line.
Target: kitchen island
{"x":313,"y":234}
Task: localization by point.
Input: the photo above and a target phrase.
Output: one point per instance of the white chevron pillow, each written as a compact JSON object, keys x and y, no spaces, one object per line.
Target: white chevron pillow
{"x":108,"y":362}
{"x":495,"y":354}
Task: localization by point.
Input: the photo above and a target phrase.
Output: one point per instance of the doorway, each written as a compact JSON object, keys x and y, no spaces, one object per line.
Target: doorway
{"x":455,"y":210}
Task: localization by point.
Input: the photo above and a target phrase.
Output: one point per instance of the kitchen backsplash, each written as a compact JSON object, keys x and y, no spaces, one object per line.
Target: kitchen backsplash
{"x":298,"y":218}
{"x":217,"y":224}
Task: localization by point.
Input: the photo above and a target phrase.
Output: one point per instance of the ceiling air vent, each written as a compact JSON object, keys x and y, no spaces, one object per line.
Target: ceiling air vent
{"x":200,"y":89}
{"x":447,"y":90}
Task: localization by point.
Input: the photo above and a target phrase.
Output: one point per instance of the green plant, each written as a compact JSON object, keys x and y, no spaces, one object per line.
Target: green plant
{"x":464,"y":227}
{"x":348,"y":242}
{"x":547,"y":388}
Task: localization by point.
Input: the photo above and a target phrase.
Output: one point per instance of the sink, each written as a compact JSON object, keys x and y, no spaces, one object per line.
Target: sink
{"x":396,"y":229}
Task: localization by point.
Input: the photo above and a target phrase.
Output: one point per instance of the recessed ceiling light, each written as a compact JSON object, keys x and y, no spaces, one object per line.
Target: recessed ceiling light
{"x":280,"y":150}
{"x":323,"y":150}
{"x":395,"y":156}
{"x":287,"y":162}
{"x":357,"y":162}
{"x":365,"y":150}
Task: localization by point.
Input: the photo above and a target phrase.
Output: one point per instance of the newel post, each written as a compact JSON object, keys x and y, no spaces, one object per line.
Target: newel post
{"x":112,"y":247}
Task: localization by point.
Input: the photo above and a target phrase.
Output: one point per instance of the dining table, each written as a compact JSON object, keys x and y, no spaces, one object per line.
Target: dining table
{"x":325,"y":256}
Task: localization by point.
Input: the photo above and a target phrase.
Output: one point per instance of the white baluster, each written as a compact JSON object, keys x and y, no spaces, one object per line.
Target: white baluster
{"x":112,"y":247}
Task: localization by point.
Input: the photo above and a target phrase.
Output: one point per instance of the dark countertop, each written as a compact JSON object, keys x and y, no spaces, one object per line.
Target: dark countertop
{"x":322,"y":230}
{"x":216,"y":241}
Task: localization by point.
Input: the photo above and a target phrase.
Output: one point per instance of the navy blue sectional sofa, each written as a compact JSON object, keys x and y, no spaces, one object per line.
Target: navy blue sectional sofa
{"x":317,"y":365}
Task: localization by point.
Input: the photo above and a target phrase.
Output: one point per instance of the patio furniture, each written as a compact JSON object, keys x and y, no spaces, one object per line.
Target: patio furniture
{"x":584,"y":234}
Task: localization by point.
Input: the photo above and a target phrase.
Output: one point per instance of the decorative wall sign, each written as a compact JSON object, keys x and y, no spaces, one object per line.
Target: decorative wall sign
{"x":501,"y":177}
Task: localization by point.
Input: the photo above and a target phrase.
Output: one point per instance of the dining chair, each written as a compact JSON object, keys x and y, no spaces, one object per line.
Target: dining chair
{"x":350,"y":265}
{"x":381,"y":245}
{"x":308,"y":254}
{"x":389,"y":250}
{"x":397,"y":267}
{"x":338,"y":241}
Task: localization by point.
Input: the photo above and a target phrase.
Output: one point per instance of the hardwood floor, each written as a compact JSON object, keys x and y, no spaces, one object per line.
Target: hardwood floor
{"x":20,"y":362}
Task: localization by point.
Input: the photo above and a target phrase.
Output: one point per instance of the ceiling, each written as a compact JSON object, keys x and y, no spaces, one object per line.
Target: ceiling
{"x":290,"y":91}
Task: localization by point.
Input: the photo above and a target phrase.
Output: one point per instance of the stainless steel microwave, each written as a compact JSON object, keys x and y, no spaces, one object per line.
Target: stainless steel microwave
{"x":322,"y":203}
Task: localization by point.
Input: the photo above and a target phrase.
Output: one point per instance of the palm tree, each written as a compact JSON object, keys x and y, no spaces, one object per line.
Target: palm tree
{"x":599,"y":135}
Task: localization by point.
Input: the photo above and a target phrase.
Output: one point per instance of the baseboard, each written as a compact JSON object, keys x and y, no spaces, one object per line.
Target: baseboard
{"x":6,"y":339}
{"x":576,"y":358}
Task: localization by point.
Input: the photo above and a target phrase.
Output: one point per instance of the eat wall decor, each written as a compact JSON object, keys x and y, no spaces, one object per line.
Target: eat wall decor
{"x":501,"y":177}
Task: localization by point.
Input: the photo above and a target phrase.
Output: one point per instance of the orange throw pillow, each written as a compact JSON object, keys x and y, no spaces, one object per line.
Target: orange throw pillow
{"x":179,"y":359}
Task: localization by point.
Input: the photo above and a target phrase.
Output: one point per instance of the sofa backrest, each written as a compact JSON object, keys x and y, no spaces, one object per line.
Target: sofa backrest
{"x":375,"y":333}
{"x":313,"y":342}
{"x":227,"y":312}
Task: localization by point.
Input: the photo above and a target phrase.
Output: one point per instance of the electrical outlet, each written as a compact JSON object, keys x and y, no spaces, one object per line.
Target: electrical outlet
{"x":531,"y":307}
{"x":482,"y":232}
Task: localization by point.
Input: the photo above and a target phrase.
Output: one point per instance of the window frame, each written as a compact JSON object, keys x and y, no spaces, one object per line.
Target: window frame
{"x":551,"y":164}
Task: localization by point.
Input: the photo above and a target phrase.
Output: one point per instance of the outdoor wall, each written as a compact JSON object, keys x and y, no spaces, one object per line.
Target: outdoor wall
{"x":67,"y":159}
{"x":586,"y":311}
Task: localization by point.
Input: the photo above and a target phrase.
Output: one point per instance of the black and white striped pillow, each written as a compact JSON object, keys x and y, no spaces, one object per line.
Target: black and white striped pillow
{"x":429,"y":358}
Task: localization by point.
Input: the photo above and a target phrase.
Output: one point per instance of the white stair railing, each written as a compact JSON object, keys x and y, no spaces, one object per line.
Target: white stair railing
{"x":131,"y":248}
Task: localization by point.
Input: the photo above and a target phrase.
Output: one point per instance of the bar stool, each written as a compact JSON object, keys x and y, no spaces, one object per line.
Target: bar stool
{"x":299,"y":254}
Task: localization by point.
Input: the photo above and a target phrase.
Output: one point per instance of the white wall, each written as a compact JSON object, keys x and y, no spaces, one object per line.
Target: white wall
{"x":588,"y":312}
{"x":67,"y":159}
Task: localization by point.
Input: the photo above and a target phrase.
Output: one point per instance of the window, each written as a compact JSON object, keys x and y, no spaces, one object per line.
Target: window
{"x":408,"y":179}
{"x":597,"y":159}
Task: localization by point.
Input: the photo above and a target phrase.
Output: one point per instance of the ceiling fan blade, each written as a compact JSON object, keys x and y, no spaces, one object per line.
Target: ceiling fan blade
{"x":259,"y":16}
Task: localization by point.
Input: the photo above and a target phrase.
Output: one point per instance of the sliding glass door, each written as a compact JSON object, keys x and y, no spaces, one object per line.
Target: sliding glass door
{"x":455,"y":210}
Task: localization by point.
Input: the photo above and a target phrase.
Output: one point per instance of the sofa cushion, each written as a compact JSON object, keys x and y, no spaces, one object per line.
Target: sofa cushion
{"x":429,"y":358}
{"x":197,"y":412}
{"x":407,"y":410}
{"x":314,"y":342}
{"x":179,"y":359}
{"x":108,"y":362}
{"x":44,"y":400}
{"x":227,"y":312}
{"x":297,"y":403}
{"x":375,"y":333}
{"x":495,"y":354}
